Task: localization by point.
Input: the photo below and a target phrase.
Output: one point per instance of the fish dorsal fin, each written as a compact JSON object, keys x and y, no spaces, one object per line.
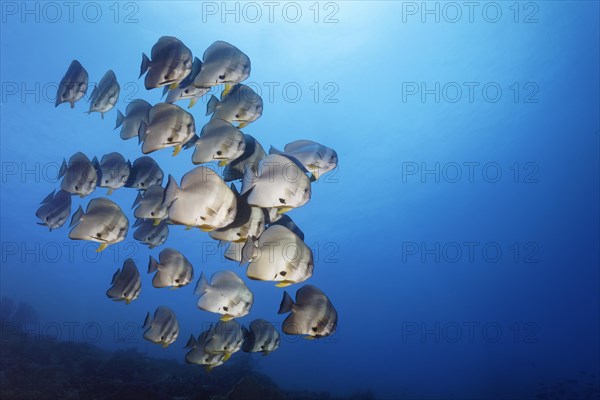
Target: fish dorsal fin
{"x":300,"y":144}
{"x":225,"y":278}
{"x":116,"y":276}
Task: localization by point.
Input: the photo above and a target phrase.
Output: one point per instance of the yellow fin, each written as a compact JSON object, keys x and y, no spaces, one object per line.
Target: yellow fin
{"x":174,"y":85}
{"x":282,"y":210}
{"x":127,"y":301}
{"x":156,"y":222}
{"x":206,"y":228}
{"x":101,"y":247}
{"x":193,"y":102}
{"x":309,"y":337}
{"x":284,"y":284}
{"x":226,"y":317}
{"x":227,"y":357}
{"x":226,"y":90}
{"x":187,"y":227}
{"x":242,"y":125}
{"x":222,"y":163}
{"x":165,"y":344}
{"x":109,"y":192}
{"x":208,"y":368}
{"x":176,"y":150}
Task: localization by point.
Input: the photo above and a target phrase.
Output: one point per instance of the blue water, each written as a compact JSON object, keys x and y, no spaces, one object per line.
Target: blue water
{"x":458,"y":239}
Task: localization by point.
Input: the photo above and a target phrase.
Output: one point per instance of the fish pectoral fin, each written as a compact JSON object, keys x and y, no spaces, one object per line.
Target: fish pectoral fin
{"x":109,"y":192}
{"x":176,"y":150}
{"x":127,"y":301}
{"x":227,"y":356}
{"x":226,"y":317}
{"x":309,"y":337}
{"x":208,"y":368}
{"x":193,"y":102}
{"x":156,"y":222}
{"x":284,"y":284}
{"x":226,"y":90}
{"x":165,"y":345}
{"x":187,"y":227}
{"x":101,"y":247}
{"x":242,"y":125}
{"x":173,"y":85}
{"x":222,"y":163}
{"x":283,"y":210}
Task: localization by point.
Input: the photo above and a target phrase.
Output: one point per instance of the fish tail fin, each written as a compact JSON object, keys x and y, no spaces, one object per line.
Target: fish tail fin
{"x":137,"y":200}
{"x":49,"y":197}
{"x":201,"y":286}
{"x":147,"y":321}
{"x":191,"y":143}
{"x":76,"y":217}
{"x":212,"y":105}
{"x":142,"y":132}
{"x":286,"y":304}
{"x":145,"y":64}
{"x":63,"y":168}
{"x":248,"y":179}
{"x":120,"y":119}
{"x":273,"y":150}
{"x":171,"y":191}
{"x":191,"y":342}
{"x":249,"y":251}
{"x":152,"y":265}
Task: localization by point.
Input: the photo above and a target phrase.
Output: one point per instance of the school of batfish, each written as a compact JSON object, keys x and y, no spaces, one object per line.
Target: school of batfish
{"x":247,"y":220}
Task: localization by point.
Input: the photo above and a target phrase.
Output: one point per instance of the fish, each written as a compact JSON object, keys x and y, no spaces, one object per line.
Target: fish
{"x":171,"y":62}
{"x":253,"y":153}
{"x":173,"y":269}
{"x":222,"y":63}
{"x":137,"y":112}
{"x":186,"y":88}
{"x":103,"y":222}
{"x":249,"y":221}
{"x":150,"y":204}
{"x":150,"y":233}
{"x":79,"y":175}
{"x":225,"y":337}
{"x":285,"y":220}
{"x":219,"y":141}
{"x":105,"y":95}
{"x":73,"y":85}
{"x":163,"y":328}
{"x":113,"y":171}
{"x":168,"y":126}
{"x":261,"y":337}
{"x":241,"y":104}
{"x":312,"y":314}
{"x":145,"y":172}
{"x":278,"y":183}
{"x":227,"y":294}
{"x":202,"y":200}
{"x":278,"y":256}
{"x":126,"y":283}
{"x":314,"y":157}
{"x":55,"y":209}
{"x":198,"y":354}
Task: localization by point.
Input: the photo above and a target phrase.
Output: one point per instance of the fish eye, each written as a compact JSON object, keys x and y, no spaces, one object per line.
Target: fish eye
{"x":47,"y":219}
{"x":229,"y":210}
{"x":106,"y":181}
{"x":124,"y":294}
{"x":314,"y":328}
{"x":282,"y":201}
{"x":142,"y":184}
{"x":98,"y":235}
{"x":166,"y":76}
{"x":177,"y":280}
{"x":152,"y":213}
{"x":259,"y":224}
{"x":262,"y":347}
{"x":186,"y":91}
{"x":162,"y":338}
{"x":202,"y":218}
{"x":237,"y":115}
{"x":283,"y":273}
{"x":236,"y":233}
{"x":189,"y":125}
{"x":225,"y":347}
{"x":222,"y":76}
{"x":219,"y":152}
{"x":169,"y":139}
{"x":225,"y":308}
{"x":76,"y":187}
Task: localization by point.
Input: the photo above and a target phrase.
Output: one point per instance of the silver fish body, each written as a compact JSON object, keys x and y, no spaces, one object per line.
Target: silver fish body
{"x":137,"y":112}
{"x":163,"y":328}
{"x":145,"y":172}
{"x":171,"y":62}
{"x":172,"y":270}
{"x":79,"y":175}
{"x":55,"y":209}
{"x":126,"y":283}
{"x":312,"y":314}
{"x":105,"y":95}
{"x":73,"y":85}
